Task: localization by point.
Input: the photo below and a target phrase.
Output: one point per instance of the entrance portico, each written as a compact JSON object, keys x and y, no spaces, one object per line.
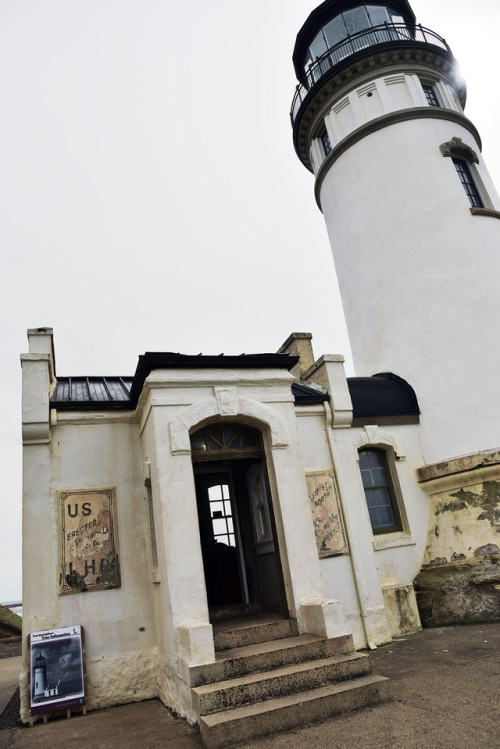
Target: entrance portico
{"x":175,"y":404}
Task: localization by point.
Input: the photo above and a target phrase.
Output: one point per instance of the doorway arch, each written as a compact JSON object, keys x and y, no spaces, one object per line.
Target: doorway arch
{"x":236,"y":521}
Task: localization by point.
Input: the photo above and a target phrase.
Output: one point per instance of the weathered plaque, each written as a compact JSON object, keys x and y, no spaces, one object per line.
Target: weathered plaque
{"x":89,"y":550}
{"x":327,"y":516}
{"x":57,"y":678}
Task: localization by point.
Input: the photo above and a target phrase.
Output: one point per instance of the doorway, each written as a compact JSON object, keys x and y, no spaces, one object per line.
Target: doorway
{"x":237,"y":528}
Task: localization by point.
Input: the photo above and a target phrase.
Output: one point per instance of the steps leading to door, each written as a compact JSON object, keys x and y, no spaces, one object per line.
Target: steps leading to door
{"x":251,"y":634}
{"x":261,"y":686}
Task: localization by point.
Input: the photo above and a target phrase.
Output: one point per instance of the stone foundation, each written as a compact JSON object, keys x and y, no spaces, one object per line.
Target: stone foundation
{"x":459,"y":592}
{"x":459,"y":582}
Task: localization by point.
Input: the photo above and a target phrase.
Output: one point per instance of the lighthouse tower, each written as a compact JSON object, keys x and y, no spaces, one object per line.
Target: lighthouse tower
{"x":40,"y":676}
{"x":412,"y":217}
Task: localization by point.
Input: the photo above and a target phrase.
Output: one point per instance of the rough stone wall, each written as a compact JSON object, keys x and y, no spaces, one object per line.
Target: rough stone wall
{"x":460,"y":579}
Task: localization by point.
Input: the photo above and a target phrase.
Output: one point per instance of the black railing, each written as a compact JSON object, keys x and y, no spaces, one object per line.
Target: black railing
{"x":385,"y":34}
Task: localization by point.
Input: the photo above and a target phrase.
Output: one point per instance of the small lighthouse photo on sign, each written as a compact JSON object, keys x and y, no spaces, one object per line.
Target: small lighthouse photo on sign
{"x":56,"y":667}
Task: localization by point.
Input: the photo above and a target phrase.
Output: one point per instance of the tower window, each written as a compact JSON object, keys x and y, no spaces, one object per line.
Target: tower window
{"x":430,"y":94}
{"x":325,"y":140}
{"x":467,"y":180}
{"x":379,"y":491}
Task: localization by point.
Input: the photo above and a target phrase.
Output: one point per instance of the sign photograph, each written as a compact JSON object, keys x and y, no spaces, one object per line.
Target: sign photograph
{"x":327,"y":515}
{"x":56,"y":669}
{"x":87,"y":541}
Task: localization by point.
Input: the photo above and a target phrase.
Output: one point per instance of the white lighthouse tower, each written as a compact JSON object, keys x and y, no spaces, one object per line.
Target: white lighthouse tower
{"x":412,"y":217}
{"x":40,"y":676}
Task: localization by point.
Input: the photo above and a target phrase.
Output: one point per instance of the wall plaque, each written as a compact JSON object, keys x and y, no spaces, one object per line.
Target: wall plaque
{"x":327,"y":516}
{"x":88,"y":544}
{"x":57,"y":678}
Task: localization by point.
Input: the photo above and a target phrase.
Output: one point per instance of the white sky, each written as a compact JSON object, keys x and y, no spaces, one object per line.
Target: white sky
{"x":150,"y":196}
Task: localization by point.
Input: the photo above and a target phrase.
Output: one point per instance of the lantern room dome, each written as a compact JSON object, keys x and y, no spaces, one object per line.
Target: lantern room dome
{"x":334,"y":20}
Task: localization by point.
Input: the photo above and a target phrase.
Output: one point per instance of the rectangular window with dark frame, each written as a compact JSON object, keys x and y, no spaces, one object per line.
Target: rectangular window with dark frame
{"x":379,"y":491}
{"x":325,"y":140}
{"x":430,"y":94}
{"x":467,"y":180}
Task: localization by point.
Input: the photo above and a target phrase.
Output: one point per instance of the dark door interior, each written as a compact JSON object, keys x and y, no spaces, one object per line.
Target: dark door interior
{"x":237,"y":530}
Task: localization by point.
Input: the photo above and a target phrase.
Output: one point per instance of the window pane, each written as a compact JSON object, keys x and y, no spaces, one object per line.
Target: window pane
{"x":229,"y":435}
{"x":247,"y":440}
{"x":385,"y":516}
{"x":465,"y":175}
{"x":217,"y":509}
{"x":198,"y":442}
{"x":356,"y":20}
{"x":378,"y":490}
{"x":219,"y":526}
{"x":430,"y":94}
{"x":214,"y":492}
{"x":325,"y":140}
{"x":378,"y":476}
{"x":374,"y":459}
{"x":335,"y":31}
{"x":213,"y":443}
{"x":318,"y":47}
{"x":378,"y":15}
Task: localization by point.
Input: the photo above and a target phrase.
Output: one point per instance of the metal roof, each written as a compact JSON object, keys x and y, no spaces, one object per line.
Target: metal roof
{"x":384,"y":395}
{"x":104,"y":393}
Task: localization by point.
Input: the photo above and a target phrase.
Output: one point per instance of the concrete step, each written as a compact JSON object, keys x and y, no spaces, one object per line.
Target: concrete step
{"x":230,"y":727}
{"x":251,"y":634}
{"x":225,"y":695}
{"x":266,"y":656}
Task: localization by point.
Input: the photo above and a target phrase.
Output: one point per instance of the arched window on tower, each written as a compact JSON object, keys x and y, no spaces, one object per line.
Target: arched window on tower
{"x":464,"y":159}
{"x":468,"y":183}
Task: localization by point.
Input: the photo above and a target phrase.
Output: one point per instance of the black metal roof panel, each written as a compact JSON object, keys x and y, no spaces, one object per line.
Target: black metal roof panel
{"x":384,"y":394}
{"x":104,"y":393}
{"x":92,"y":392}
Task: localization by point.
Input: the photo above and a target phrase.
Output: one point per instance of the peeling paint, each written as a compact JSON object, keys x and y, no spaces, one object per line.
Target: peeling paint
{"x":486,"y":550}
{"x":110,"y":571}
{"x":455,"y":506}
{"x":76,"y":581}
{"x":488,"y":500}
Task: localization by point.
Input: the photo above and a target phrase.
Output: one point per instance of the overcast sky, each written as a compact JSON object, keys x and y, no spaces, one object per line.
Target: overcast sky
{"x":150,"y":196}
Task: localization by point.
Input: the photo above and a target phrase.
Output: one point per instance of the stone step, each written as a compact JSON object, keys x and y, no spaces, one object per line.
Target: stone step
{"x":251,"y":634}
{"x":230,"y":727}
{"x":266,"y":656}
{"x":225,"y":695}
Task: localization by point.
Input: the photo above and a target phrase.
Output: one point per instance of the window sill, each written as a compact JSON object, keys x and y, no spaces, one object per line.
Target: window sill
{"x":393,"y":540}
{"x":485,"y":212}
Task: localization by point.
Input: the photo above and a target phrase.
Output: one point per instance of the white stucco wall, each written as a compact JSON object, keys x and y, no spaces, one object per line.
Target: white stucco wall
{"x":418,"y":276}
{"x":91,"y":451}
{"x":378,"y":561}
